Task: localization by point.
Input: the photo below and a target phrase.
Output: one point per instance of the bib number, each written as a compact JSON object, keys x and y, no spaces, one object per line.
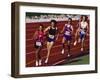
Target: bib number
{"x":51,"y":36}
{"x":67,"y":33}
{"x":38,"y":44}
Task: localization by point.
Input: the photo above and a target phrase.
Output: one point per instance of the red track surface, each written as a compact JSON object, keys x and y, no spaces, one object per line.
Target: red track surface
{"x":55,"y":55}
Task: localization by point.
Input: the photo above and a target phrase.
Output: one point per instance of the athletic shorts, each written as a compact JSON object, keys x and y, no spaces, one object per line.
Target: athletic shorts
{"x":68,"y":37}
{"x":82,"y":35}
{"x":50,"y":38}
{"x":38,"y":44}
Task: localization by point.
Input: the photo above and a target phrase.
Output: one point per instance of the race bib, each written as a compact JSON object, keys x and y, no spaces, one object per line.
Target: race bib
{"x":38,"y":44}
{"x":67,"y":33}
{"x":51,"y":36}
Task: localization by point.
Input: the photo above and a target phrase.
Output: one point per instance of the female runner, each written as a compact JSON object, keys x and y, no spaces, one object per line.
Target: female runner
{"x":68,"y":30}
{"x":39,"y":38}
{"x":51,"y":37}
{"x":82,"y":31}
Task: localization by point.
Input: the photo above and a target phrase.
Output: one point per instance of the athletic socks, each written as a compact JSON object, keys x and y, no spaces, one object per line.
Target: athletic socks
{"x":68,"y":50}
{"x":75,"y":43}
{"x":36,"y":63}
{"x":63,"y":48}
{"x":46,"y":61}
{"x":62,"y":51}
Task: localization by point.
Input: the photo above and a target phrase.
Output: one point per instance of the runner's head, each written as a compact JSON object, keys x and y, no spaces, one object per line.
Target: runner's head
{"x":84,"y":18}
{"x":69,"y":20}
{"x":53,"y":23}
{"x":40,"y":27}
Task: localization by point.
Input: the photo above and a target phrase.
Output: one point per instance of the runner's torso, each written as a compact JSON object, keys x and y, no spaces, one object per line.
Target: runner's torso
{"x":68,"y":29}
{"x":52,"y":32}
{"x":83,"y":27}
{"x":40,"y":36}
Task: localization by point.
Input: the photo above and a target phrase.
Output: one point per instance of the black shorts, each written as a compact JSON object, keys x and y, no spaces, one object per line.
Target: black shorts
{"x":50,"y":40}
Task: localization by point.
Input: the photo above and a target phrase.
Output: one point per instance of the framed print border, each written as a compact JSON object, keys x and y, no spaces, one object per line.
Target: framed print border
{"x":15,"y":39}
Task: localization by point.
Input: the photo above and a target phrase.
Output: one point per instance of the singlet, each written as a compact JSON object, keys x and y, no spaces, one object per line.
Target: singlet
{"x":40,"y":36}
{"x":68,"y":29}
{"x":83,"y":26}
{"x":52,"y":31}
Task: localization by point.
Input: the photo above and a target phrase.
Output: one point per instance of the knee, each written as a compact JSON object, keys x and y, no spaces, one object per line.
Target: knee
{"x":83,"y":40}
{"x":68,"y":43}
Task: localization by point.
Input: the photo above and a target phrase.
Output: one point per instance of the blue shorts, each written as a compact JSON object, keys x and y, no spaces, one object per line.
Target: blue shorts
{"x":68,"y":37}
{"x":82,"y":35}
{"x":50,"y":40}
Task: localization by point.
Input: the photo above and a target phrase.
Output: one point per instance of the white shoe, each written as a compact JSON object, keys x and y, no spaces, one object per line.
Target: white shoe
{"x":62,"y":51}
{"x":75,"y":43}
{"x":46,"y":61}
{"x":36,"y":63}
{"x":81,"y":49}
{"x":40,"y":62}
{"x":68,"y":55}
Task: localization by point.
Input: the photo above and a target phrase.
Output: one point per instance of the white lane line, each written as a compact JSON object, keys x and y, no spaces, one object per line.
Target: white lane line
{"x":58,"y":62}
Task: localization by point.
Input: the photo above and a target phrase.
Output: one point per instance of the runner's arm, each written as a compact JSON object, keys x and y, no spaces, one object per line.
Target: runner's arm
{"x":46,"y":29}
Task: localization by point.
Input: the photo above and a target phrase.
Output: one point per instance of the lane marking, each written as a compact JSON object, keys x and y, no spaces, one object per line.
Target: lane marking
{"x":55,"y":47}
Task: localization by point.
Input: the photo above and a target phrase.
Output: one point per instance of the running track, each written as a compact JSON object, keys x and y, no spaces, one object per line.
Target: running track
{"x":55,"y":57}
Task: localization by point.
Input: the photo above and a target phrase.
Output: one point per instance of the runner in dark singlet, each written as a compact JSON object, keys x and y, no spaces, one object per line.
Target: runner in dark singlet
{"x":51,"y":37}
